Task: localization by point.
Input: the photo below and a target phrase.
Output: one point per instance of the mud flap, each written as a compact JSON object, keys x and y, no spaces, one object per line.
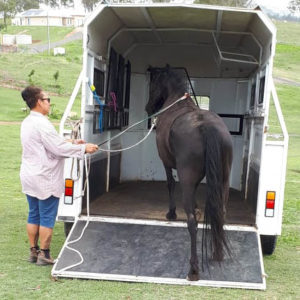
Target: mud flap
{"x":153,"y":251}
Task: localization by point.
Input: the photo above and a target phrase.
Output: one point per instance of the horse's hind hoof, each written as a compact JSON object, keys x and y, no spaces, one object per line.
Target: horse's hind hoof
{"x":171,"y":216}
{"x":193,"y":277}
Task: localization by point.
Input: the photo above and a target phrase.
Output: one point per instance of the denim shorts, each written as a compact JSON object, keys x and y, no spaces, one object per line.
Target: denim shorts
{"x":42,"y":212}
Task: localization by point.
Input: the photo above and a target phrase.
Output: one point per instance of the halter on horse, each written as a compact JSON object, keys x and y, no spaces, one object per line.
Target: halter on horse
{"x":197,"y":143}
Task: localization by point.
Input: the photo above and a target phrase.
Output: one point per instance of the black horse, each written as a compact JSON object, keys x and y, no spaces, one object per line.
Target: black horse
{"x":197,"y":143}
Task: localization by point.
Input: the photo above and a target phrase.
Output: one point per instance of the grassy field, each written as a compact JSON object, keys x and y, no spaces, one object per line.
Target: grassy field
{"x":12,"y":106}
{"x":288,"y":32}
{"x":39,"y":33}
{"x":21,"y":280}
{"x":16,"y":67}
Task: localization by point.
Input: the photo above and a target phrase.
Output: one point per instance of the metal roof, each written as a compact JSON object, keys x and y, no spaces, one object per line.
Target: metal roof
{"x":242,"y":36}
{"x":32,"y":13}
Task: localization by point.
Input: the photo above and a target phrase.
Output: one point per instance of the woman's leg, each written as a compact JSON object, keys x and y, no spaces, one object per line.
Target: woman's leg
{"x":33,"y":221}
{"x":48,"y":211}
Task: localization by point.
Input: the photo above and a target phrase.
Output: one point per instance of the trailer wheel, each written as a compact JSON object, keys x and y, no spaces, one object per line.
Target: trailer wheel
{"x":268,"y":243}
{"x":67,"y":228}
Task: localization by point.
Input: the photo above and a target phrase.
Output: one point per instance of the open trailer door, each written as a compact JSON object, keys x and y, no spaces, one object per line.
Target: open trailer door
{"x":155,"y":251}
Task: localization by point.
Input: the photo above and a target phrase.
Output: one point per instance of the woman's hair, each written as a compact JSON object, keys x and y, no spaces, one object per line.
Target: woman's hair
{"x":31,"y":95}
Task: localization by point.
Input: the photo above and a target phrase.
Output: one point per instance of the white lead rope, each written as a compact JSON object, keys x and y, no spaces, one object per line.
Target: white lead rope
{"x":132,"y":146}
{"x":88,"y":200}
{"x":186,"y":95}
{"x":86,"y":224}
{"x":87,"y":181}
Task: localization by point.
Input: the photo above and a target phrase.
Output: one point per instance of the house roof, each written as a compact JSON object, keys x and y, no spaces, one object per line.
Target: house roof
{"x":51,"y":13}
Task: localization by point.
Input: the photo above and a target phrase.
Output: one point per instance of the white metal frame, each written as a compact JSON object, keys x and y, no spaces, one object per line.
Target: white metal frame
{"x":267,"y":225}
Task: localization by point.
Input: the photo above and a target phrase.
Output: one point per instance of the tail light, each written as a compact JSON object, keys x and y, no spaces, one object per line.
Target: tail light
{"x":270,"y":204}
{"x":69,"y":189}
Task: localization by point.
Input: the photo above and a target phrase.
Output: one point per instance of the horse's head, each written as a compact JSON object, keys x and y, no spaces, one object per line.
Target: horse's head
{"x":164,"y":83}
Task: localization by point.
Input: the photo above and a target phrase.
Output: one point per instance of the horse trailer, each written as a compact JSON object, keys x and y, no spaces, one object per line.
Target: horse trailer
{"x":119,"y":230}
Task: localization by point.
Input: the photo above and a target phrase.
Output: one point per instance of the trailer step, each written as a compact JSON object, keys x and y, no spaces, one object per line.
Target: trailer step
{"x":150,"y":251}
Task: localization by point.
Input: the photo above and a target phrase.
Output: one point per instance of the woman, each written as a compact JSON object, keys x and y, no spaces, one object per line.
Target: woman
{"x":41,"y":171}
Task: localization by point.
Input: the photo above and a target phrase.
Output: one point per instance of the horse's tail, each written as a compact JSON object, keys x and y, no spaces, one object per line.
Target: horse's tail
{"x":214,"y":214}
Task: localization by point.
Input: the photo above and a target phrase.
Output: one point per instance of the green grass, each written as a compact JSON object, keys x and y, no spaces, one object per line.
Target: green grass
{"x":39,"y":33}
{"x":16,"y":67}
{"x":288,"y":32}
{"x":11,"y":104}
{"x":287,"y":57}
{"x":286,"y":62}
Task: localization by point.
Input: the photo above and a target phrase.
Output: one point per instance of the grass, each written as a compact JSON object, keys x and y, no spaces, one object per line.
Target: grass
{"x":11,"y":104}
{"x":288,"y":32}
{"x":39,"y":33}
{"x":16,"y":67}
{"x":286,"y":63}
{"x":21,"y":280}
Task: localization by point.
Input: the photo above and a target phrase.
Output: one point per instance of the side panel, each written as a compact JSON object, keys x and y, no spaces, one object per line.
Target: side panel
{"x":272,"y":168}
{"x":227,"y":96}
{"x":141,"y":162}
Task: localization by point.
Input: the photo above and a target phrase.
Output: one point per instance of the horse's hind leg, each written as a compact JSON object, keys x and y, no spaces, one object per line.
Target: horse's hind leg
{"x":188,"y":193}
{"x":171,"y":215}
{"x":189,"y":180}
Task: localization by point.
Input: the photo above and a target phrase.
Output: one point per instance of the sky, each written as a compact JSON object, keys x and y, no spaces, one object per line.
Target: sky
{"x":275,"y":5}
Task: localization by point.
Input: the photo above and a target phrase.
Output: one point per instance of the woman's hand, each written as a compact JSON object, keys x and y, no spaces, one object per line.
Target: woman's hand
{"x":91,"y":148}
{"x":78,"y":142}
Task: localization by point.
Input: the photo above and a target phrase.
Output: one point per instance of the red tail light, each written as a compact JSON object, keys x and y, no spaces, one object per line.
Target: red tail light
{"x":270,"y":203}
{"x":69,"y":188}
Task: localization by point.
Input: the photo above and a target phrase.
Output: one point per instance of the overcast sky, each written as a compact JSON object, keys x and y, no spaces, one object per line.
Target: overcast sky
{"x":277,"y":5}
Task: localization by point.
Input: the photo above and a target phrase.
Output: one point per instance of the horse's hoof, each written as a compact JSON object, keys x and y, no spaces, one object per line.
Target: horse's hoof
{"x":193,"y":277}
{"x":171,"y":216}
{"x":198,"y":214}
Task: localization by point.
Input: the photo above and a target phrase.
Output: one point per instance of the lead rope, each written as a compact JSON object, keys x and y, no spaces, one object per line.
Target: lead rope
{"x":87,"y":170}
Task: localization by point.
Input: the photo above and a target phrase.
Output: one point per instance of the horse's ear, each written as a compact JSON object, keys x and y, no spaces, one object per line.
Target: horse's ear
{"x":150,"y":69}
{"x":168,"y":67}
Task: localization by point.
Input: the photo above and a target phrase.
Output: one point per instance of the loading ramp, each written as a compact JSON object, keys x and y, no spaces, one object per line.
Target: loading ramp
{"x":154,"y":251}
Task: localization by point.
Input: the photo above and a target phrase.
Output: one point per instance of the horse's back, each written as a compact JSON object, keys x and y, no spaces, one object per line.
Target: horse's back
{"x":198,"y":124}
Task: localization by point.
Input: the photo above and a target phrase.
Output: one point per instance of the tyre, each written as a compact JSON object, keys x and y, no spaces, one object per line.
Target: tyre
{"x":67,"y":228}
{"x":268,"y":243}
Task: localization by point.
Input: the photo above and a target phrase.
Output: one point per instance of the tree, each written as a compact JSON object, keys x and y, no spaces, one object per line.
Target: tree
{"x":22,"y":5}
{"x":294,"y":6}
{"x":57,"y":3}
{"x":89,"y":4}
{"x":8,"y":7}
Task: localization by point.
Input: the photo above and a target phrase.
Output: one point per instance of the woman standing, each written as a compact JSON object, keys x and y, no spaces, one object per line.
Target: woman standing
{"x":41,"y":171}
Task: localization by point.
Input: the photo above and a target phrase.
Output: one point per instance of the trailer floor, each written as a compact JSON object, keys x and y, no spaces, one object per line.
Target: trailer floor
{"x":149,"y":200}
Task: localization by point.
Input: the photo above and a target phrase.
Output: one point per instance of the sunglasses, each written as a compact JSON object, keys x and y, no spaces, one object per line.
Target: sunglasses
{"x":48,"y":99}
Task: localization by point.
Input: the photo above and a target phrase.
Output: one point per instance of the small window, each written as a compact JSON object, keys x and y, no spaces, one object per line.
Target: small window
{"x":99,"y":82}
{"x":252,"y":100}
{"x":261,"y":90}
{"x":203,"y":102}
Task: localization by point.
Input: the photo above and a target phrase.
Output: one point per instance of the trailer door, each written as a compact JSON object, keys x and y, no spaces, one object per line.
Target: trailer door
{"x":158,"y":252}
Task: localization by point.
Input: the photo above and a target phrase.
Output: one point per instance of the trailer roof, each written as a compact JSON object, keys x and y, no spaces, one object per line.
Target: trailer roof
{"x":242,"y":37}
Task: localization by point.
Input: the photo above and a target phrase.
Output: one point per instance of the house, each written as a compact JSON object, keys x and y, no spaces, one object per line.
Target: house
{"x":41,"y":17}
